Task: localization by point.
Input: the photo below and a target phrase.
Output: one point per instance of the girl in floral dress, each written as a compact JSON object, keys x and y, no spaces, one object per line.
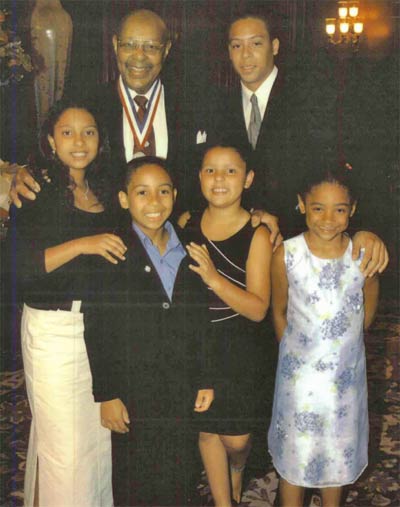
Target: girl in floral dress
{"x":318,"y":435}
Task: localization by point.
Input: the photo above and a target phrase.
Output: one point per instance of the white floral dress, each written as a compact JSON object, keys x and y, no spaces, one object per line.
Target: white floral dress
{"x":318,"y":435}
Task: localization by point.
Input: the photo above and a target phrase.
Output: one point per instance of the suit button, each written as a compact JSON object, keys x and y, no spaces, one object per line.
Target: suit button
{"x":165,"y":305}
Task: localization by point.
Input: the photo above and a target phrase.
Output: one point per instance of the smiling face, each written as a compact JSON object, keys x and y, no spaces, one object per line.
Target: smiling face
{"x":150,"y":198}
{"x":223,"y":177}
{"x":138,"y":66}
{"x":327,"y":208}
{"x":75,"y":139}
{"x":251,"y":51}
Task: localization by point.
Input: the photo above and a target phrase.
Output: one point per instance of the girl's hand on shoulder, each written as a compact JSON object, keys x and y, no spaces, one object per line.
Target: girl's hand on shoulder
{"x":203,"y":400}
{"x":205,"y":267}
{"x":271,"y":221}
{"x":109,"y":246}
{"x":114,"y":416}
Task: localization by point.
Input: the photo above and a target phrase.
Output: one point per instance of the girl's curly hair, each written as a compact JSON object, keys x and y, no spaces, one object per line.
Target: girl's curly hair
{"x":46,"y":166}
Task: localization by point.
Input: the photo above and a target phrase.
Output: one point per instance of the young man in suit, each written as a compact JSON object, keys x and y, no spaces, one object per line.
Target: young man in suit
{"x":261,"y":111}
{"x":265,"y":111}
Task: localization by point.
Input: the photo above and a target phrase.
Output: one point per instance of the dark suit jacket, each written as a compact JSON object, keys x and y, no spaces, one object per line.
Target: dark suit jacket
{"x":283,"y":151}
{"x":143,"y":348}
{"x":152,"y":353}
{"x":186,"y":114}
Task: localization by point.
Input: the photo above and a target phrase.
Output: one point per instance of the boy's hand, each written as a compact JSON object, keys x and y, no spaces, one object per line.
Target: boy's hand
{"x":260,"y":216}
{"x":376,"y":256}
{"x":114,"y":416}
{"x":205,"y":268}
{"x":108,"y":246}
{"x":24,"y":185}
{"x":204,"y":399}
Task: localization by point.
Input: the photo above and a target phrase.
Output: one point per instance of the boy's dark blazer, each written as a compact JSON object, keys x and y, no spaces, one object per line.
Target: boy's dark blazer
{"x":153,"y":354}
{"x":139,"y":342}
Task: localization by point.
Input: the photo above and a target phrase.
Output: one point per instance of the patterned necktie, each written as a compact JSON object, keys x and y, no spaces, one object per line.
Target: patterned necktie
{"x":255,"y":121}
{"x":149,"y":147}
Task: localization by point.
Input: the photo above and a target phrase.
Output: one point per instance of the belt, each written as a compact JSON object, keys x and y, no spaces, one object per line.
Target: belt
{"x":67,"y":306}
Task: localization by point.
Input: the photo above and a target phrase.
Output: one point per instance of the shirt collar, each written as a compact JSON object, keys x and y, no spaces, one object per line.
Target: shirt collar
{"x":173,"y":240}
{"x":263,"y":91}
{"x":133,"y":93}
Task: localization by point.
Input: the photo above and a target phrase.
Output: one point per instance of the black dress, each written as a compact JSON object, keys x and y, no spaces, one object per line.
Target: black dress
{"x":240,"y":346}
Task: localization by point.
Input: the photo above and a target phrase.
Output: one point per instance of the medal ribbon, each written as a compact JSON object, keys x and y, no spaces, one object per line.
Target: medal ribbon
{"x":132,"y":115}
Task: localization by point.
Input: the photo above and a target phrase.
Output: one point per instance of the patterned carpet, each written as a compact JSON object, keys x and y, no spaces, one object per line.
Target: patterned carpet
{"x":379,"y":485}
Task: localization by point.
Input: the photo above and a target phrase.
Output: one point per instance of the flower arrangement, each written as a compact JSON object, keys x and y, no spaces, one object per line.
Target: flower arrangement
{"x":14,"y":62}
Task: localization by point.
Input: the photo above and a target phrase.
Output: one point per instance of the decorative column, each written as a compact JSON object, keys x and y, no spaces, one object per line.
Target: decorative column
{"x":51,"y":33}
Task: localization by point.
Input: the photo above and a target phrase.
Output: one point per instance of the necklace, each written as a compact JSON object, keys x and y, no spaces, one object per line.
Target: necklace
{"x":85,"y":192}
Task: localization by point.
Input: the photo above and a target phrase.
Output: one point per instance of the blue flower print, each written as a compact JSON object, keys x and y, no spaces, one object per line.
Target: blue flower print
{"x":312,"y":298}
{"x":309,"y":422}
{"x":354,"y":302}
{"x":290,"y":363}
{"x":322,"y":366}
{"x":348,"y":454}
{"x":281,"y":433}
{"x":304,"y":339}
{"x":345,"y":380}
{"x":314,"y":470}
{"x":342,"y":411}
{"x":289,"y":260}
{"x":332,"y":329}
{"x":329,"y":277}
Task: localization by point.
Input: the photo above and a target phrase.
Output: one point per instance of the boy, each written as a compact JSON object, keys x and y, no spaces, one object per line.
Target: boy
{"x":147,"y":338}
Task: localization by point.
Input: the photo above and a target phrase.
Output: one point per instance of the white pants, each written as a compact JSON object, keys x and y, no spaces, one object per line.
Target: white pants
{"x":67,"y":441}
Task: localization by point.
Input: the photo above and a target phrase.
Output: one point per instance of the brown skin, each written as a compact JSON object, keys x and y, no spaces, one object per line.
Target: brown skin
{"x":139,"y":70}
{"x":252,"y":51}
{"x":145,"y":23}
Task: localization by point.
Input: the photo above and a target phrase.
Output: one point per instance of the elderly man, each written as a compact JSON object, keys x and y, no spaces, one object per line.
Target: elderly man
{"x":143,"y":115}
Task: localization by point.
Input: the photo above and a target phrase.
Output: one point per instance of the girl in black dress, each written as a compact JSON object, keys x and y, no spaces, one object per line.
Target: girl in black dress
{"x":233,"y":259}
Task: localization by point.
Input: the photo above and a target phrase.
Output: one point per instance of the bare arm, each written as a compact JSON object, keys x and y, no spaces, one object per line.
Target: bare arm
{"x":271,"y":221}
{"x":376,"y":256}
{"x":280,"y":289}
{"x":108,"y":246}
{"x":252,"y":302}
{"x":371,"y":295}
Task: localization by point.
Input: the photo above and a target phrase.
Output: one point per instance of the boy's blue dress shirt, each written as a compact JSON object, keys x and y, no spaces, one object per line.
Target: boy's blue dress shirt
{"x":167,"y":265}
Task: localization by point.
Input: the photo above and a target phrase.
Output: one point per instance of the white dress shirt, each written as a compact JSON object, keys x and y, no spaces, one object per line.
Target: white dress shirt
{"x":159,"y":126}
{"x":262,"y":93}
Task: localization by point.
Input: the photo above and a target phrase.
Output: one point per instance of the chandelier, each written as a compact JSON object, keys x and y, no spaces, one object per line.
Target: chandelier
{"x":348,"y":25}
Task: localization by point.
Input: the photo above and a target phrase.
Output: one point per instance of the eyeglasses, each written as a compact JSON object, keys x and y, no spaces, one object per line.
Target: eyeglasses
{"x":148,"y":47}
